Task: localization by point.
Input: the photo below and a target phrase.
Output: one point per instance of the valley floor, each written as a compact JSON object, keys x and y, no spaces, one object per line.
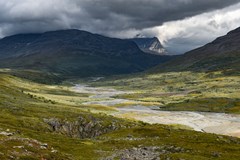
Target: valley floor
{"x":218,"y":123}
{"x":114,"y":118}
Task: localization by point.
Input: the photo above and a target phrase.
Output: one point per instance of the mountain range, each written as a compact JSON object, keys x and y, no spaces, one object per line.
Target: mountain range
{"x":75,"y":53}
{"x":80,"y":53}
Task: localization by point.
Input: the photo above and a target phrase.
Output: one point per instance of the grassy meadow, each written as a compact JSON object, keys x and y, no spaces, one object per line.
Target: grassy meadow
{"x":25,"y":104}
{"x":181,"y":91}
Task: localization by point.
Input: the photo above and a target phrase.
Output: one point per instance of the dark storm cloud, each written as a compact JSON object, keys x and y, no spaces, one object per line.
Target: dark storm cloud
{"x":149,"y":13}
{"x":123,"y":18}
{"x":103,"y":16}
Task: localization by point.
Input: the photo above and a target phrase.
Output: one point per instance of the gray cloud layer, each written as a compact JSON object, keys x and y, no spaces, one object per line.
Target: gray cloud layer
{"x":121,"y":18}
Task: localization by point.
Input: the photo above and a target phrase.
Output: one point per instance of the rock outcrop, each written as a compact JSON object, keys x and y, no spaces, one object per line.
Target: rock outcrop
{"x":86,"y":127}
{"x":146,"y":153}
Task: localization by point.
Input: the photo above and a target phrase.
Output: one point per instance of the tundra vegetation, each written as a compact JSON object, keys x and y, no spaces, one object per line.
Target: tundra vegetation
{"x":51,"y":121}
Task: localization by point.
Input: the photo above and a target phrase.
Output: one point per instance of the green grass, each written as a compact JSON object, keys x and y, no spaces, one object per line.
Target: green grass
{"x":24,"y":105}
{"x":24,"y":113}
{"x":195,"y":144}
{"x":225,"y":105}
{"x":186,"y":91}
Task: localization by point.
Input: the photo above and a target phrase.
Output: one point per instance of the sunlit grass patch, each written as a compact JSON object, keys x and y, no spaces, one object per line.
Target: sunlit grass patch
{"x":184,"y":90}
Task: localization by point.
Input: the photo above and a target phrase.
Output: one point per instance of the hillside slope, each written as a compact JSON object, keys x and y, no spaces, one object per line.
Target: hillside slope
{"x":221,"y":54}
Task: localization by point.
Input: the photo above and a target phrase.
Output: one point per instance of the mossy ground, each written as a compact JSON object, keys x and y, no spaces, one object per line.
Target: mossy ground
{"x":24,"y":105}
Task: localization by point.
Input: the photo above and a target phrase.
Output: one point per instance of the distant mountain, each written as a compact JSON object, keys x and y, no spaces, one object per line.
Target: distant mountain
{"x":74,"y":52}
{"x":150,"y":45}
{"x":221,"y":54}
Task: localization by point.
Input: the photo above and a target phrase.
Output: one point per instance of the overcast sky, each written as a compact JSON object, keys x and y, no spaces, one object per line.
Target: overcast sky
{"x":181,"y":25}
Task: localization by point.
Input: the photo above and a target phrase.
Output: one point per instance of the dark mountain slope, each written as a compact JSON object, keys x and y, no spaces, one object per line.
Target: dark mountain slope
{"x":14,"y":45}
{"x":74,"y":53}
{"x":221,"y":54}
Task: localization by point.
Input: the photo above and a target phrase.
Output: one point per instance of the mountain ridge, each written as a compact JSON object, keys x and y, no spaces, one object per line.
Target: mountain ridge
{"x":221,"y":54}
{"x":75,"y":52}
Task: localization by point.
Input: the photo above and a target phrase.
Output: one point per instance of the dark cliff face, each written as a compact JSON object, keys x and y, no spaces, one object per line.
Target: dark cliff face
{"x":75,"y":52}
{"x":221,"y":54}
{"x":150,"y":45}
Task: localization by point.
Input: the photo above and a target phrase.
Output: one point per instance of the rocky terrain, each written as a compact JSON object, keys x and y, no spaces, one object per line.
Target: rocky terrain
{"x":145,"y":153}
{"x":150,"y":45}
{"x":14,"y":146}
{"x":86,"y":127}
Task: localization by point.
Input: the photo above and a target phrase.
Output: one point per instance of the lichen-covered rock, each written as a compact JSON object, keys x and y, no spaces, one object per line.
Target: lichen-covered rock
{"x":6,"y":133}
{"x":145,"y":153}
{"x":16,"y":147}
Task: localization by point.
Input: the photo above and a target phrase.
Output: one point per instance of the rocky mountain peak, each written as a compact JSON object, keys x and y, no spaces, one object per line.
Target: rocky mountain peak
{"x":150,"y":45}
